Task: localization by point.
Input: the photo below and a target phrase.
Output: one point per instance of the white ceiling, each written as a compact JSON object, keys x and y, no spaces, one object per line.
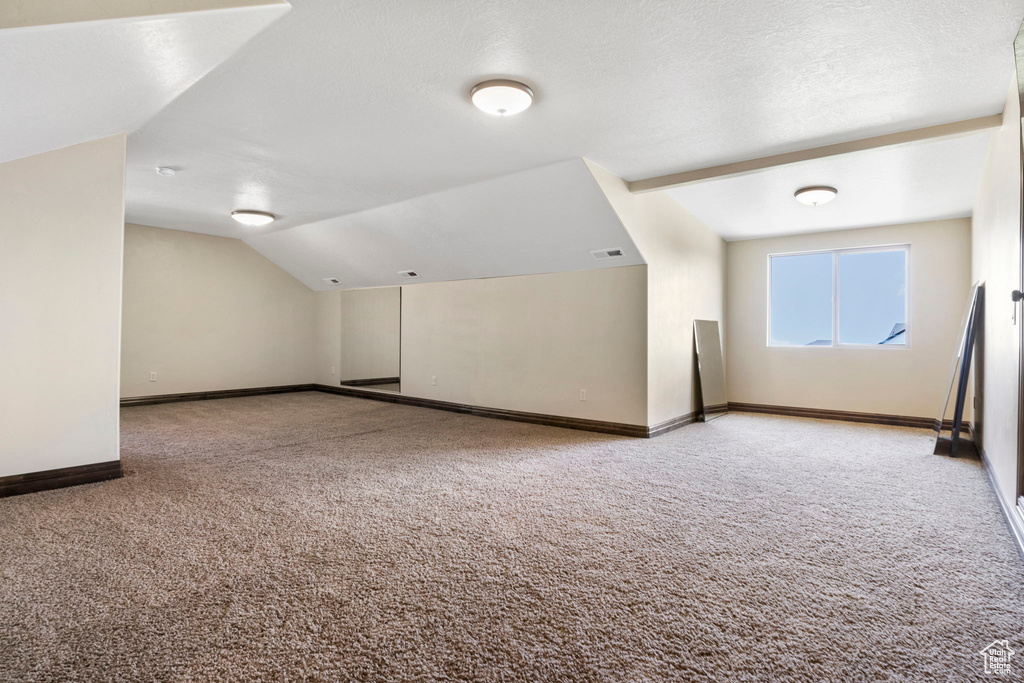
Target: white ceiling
{"x":543,"y":220}
{"x":344,"y":106}
{"x":19,"y":13}
{"x":918,"y":182}
{"x":339,"y":108}
{"x":67,"y":83}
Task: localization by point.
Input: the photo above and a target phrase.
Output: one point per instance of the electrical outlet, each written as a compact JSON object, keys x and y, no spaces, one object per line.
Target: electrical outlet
{"x":152,"y":377}
{"x":433,"y":380}
{"x":583,"y":394}
{"x":332,"y":370}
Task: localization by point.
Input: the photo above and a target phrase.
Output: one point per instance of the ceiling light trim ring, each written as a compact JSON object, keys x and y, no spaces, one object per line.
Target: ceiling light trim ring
{"x":253,"y":218}
{"x":502,"y":97}
{"x":816,"y":195}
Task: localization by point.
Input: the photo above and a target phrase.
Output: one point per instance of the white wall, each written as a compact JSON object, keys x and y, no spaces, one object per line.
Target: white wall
{"x":209,"y":313}
{"x":530,"y":343}
{"x":370,"y":333}
{"x":887,"y":380}
{"x":685,"y":281}
{"x":61,"y":226}
{"x":996,"y":262}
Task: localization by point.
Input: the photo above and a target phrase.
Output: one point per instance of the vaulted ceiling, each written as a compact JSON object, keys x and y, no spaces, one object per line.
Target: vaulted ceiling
{"x":336,"y":108}
{"x":344,"y":106}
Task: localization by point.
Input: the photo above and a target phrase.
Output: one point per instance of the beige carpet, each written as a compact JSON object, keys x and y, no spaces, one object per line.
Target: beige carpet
{"x":318,"y":537}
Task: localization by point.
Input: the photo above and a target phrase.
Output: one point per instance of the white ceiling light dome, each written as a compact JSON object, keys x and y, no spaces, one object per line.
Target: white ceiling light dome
{"x":816,"y":195}
{"x":500,"y":97}
{"x":253,"y":218}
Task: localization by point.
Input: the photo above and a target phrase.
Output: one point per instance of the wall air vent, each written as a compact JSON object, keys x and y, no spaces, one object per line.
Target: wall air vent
{"x":332,"y":280}
{"x":409,"y":273}
{"x":607,"y":253}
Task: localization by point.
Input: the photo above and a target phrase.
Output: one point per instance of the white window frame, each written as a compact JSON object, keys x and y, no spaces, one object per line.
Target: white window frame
{"x":836,"y":344}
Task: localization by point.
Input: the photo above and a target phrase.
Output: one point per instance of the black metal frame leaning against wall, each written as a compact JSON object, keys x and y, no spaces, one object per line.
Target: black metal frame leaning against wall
{"x":960,"y":373}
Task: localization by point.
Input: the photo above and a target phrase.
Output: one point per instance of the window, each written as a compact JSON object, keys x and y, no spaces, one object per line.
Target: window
{"x":845,"y":297}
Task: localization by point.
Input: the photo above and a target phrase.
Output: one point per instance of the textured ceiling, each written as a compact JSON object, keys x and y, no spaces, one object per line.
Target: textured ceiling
{"x":68,"y":83}
{"x":19,"y":13}
{"x":919,"y":182}
{"x":543,"y":220}
{"x":344,"y":106}
{"x":351,"y":120}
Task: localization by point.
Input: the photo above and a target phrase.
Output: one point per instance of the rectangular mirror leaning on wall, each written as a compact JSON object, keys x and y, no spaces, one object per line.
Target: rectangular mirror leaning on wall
{"x":371,"y":334}
{"x":711,"y":366}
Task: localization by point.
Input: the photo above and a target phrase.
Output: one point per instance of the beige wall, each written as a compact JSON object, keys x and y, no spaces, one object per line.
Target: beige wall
{"x":889,"y":380}
{"x":61,"y":226}
{"x":530,"y":343}
{"x":327,"y":336}
{"x":209,"y":313}
{"x":685,"y":281}
{"x":370,"y":333}
{"x":996,"y":262}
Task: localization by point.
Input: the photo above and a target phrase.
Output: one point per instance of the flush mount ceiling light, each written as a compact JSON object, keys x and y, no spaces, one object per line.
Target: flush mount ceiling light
{"x":816,"y":196}
{"x":165,"y":171}
{"x":501,"y":97}
{"x":253,"y":218}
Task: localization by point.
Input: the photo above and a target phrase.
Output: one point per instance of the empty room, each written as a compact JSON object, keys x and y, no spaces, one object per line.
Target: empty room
{"x":439,"y":340}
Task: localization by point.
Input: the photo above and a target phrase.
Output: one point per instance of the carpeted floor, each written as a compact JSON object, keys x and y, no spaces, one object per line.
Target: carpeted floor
{"x":317,"y":537}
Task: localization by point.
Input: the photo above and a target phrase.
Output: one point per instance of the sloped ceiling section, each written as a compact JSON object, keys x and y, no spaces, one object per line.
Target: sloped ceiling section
{"x":66,"y":83}
{"x":20,"y":13}
{"x":543,"y":220}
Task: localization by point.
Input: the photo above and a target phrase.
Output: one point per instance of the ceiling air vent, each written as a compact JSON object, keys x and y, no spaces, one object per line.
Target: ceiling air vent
{"x":408,"y":273}
{"x":332,"y":280}
{"x":607,"y":253}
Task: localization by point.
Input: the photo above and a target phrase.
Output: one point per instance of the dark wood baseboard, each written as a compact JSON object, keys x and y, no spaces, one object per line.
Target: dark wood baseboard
{"x":672,"y":425}
{"x":209,"y":395}
{"x":497,"y":413}
{"x":842,"y":415}
{"x":617,"y":428}
{"x":369,"y":382}
{"x":32,"y":482}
